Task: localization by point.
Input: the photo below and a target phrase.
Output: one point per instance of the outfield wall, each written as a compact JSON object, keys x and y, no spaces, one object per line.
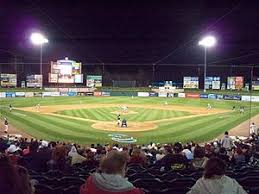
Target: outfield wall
{"x":69,"y":92}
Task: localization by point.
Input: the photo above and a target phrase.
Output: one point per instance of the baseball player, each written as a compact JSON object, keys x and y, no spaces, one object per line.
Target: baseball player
{"x":10,"y":107}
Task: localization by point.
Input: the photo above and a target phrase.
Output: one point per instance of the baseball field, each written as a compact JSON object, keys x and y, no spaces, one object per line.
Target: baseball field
{"x":88,"y":120}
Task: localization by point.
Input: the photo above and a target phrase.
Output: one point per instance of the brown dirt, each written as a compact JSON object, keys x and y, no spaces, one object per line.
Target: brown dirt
{"x":133,"y":126}
{"x":13,"y":131}
{"x":243,"y":128}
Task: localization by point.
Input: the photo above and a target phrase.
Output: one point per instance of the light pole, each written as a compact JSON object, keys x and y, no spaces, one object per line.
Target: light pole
{"x":39,"y":39}
{"x":206,"y":42}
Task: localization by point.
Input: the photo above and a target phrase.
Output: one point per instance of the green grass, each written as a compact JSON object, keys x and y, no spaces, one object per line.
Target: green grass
{"x":107,"y":114}
{"x":50,"y":127}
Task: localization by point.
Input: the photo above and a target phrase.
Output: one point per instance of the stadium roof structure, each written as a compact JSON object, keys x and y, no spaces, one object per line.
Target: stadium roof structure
{"x":150,"y":32}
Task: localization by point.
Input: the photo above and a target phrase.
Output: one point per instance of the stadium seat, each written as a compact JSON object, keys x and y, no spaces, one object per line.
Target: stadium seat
{"x":45,"y":189}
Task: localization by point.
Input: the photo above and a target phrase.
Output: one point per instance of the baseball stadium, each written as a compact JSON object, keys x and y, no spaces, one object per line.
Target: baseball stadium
{"x":129,"y":97}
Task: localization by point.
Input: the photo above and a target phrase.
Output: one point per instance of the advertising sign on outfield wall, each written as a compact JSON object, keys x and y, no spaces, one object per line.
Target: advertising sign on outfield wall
{"x":63,"y":90}
{"x":143,"y":94}
{"x":44,"y":94}
{"x":72,"y":89}
{"x":192,"y":95}
{"x":153,"y":94}
{"x":212,"y":96}
{"x":55,"y":94}
{"x":232,"y":97}
{"x":203,"y":95}
{"x":253,"y":98}
{"x":162,"y":94}
{"x":19,"y":94}
{"x":220,"y":96}
{"x":89,"y":93}
{"x":2,"y":95}
{"x":106,"y":94}
{"x":71,"y":93}
{"x":10,"y":94}
{"x":97,"y":93}
{"x":181,"y":95}
{"x":29,"y":94}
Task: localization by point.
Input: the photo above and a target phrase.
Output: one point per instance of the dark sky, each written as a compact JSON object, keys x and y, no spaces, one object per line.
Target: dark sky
{"x":131,"y":31}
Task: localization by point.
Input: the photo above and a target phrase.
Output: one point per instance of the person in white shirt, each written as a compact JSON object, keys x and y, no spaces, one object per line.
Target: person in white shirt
{"x":253,"y":129}
{"x":226,"y":142}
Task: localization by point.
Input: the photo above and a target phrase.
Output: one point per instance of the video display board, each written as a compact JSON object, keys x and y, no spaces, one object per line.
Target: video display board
{"x":8,"y":80}
{"x":235,"y":83}
{"x":34,"y":81}
{"x":93,"y":81}
{"x":212,"y":83}
{"x":191,"y":82}
{"x":65,"y":71}
{"x":255,"y":83}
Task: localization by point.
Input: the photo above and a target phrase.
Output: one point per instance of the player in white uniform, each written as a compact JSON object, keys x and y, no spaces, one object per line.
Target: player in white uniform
{"x":208,"y":106}
{"x":253,"y":129}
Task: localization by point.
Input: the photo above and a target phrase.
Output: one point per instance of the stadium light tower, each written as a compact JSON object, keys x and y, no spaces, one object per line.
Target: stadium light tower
{"x":206,"y":42}
{"x":39,"y":39}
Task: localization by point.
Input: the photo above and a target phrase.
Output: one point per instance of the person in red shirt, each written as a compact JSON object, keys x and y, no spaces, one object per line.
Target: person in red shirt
{"x":110,"y":178}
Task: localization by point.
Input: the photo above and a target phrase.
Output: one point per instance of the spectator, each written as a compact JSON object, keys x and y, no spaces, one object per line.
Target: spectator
{"x":176,"y":160}
{"x":214,"y":180}
{"x":58,"y":159}
{"x":13,"y":179}
{"x":238,"y":157}
{"x":199,"y":160}
{"x":223,"y":155}
{"x":76,"y":158}
{"x":110,"y":179}
{"x":226,"y":142}
{"x":138,"y":157}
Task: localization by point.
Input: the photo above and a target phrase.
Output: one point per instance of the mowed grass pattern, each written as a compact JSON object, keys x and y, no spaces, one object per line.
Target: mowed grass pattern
{"x":197,"y":129}
{"x":106,"y":114}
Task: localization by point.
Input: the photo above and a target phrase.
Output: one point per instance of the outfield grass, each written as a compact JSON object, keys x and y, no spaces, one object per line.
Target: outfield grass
{"x":109,"y":114}
{"x":50,"y":127}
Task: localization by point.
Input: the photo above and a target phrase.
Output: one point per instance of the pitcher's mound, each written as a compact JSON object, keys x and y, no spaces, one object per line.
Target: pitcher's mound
{"x":132,"y":126}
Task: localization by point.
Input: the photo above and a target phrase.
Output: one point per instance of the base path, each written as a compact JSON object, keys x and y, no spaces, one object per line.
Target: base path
{"x":243,"y":128}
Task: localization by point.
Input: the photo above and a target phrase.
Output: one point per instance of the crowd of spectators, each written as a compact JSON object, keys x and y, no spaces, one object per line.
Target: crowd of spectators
{"x":19,"y":156}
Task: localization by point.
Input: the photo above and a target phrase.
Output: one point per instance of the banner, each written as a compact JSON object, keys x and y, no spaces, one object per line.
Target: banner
{"x":55,"y":94}
{"x":191,"y":82}
{"x":153,"y":94}
{"x":212,"y":83}
{"x":232,"y":97}
{"x":29,"y":94}
{"x":45,"y":94}
{"x":181,"y":95}
{"x":34,"y":81}
{"x":8,"y":80}
{"x":97,"y":93}
{"x":71,"y":93}
{"x":93,"y":81}
{"x":106,"y":94}
{"x":162,"y":94}
{"x":192,"y":95}
{"x":203,"y":95}
{"x":143,"y":94}
{"x":239,"y":83}
{"x":2,"y":94}
{"x":235,"y":83}
{"x":212,"y":96}
{"x":10,"y":94}
{"x":255,"y":83}
{"x":19,"y":94}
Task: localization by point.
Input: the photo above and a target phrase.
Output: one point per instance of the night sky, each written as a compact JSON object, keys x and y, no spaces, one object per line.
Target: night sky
{"x":138,"y":32}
